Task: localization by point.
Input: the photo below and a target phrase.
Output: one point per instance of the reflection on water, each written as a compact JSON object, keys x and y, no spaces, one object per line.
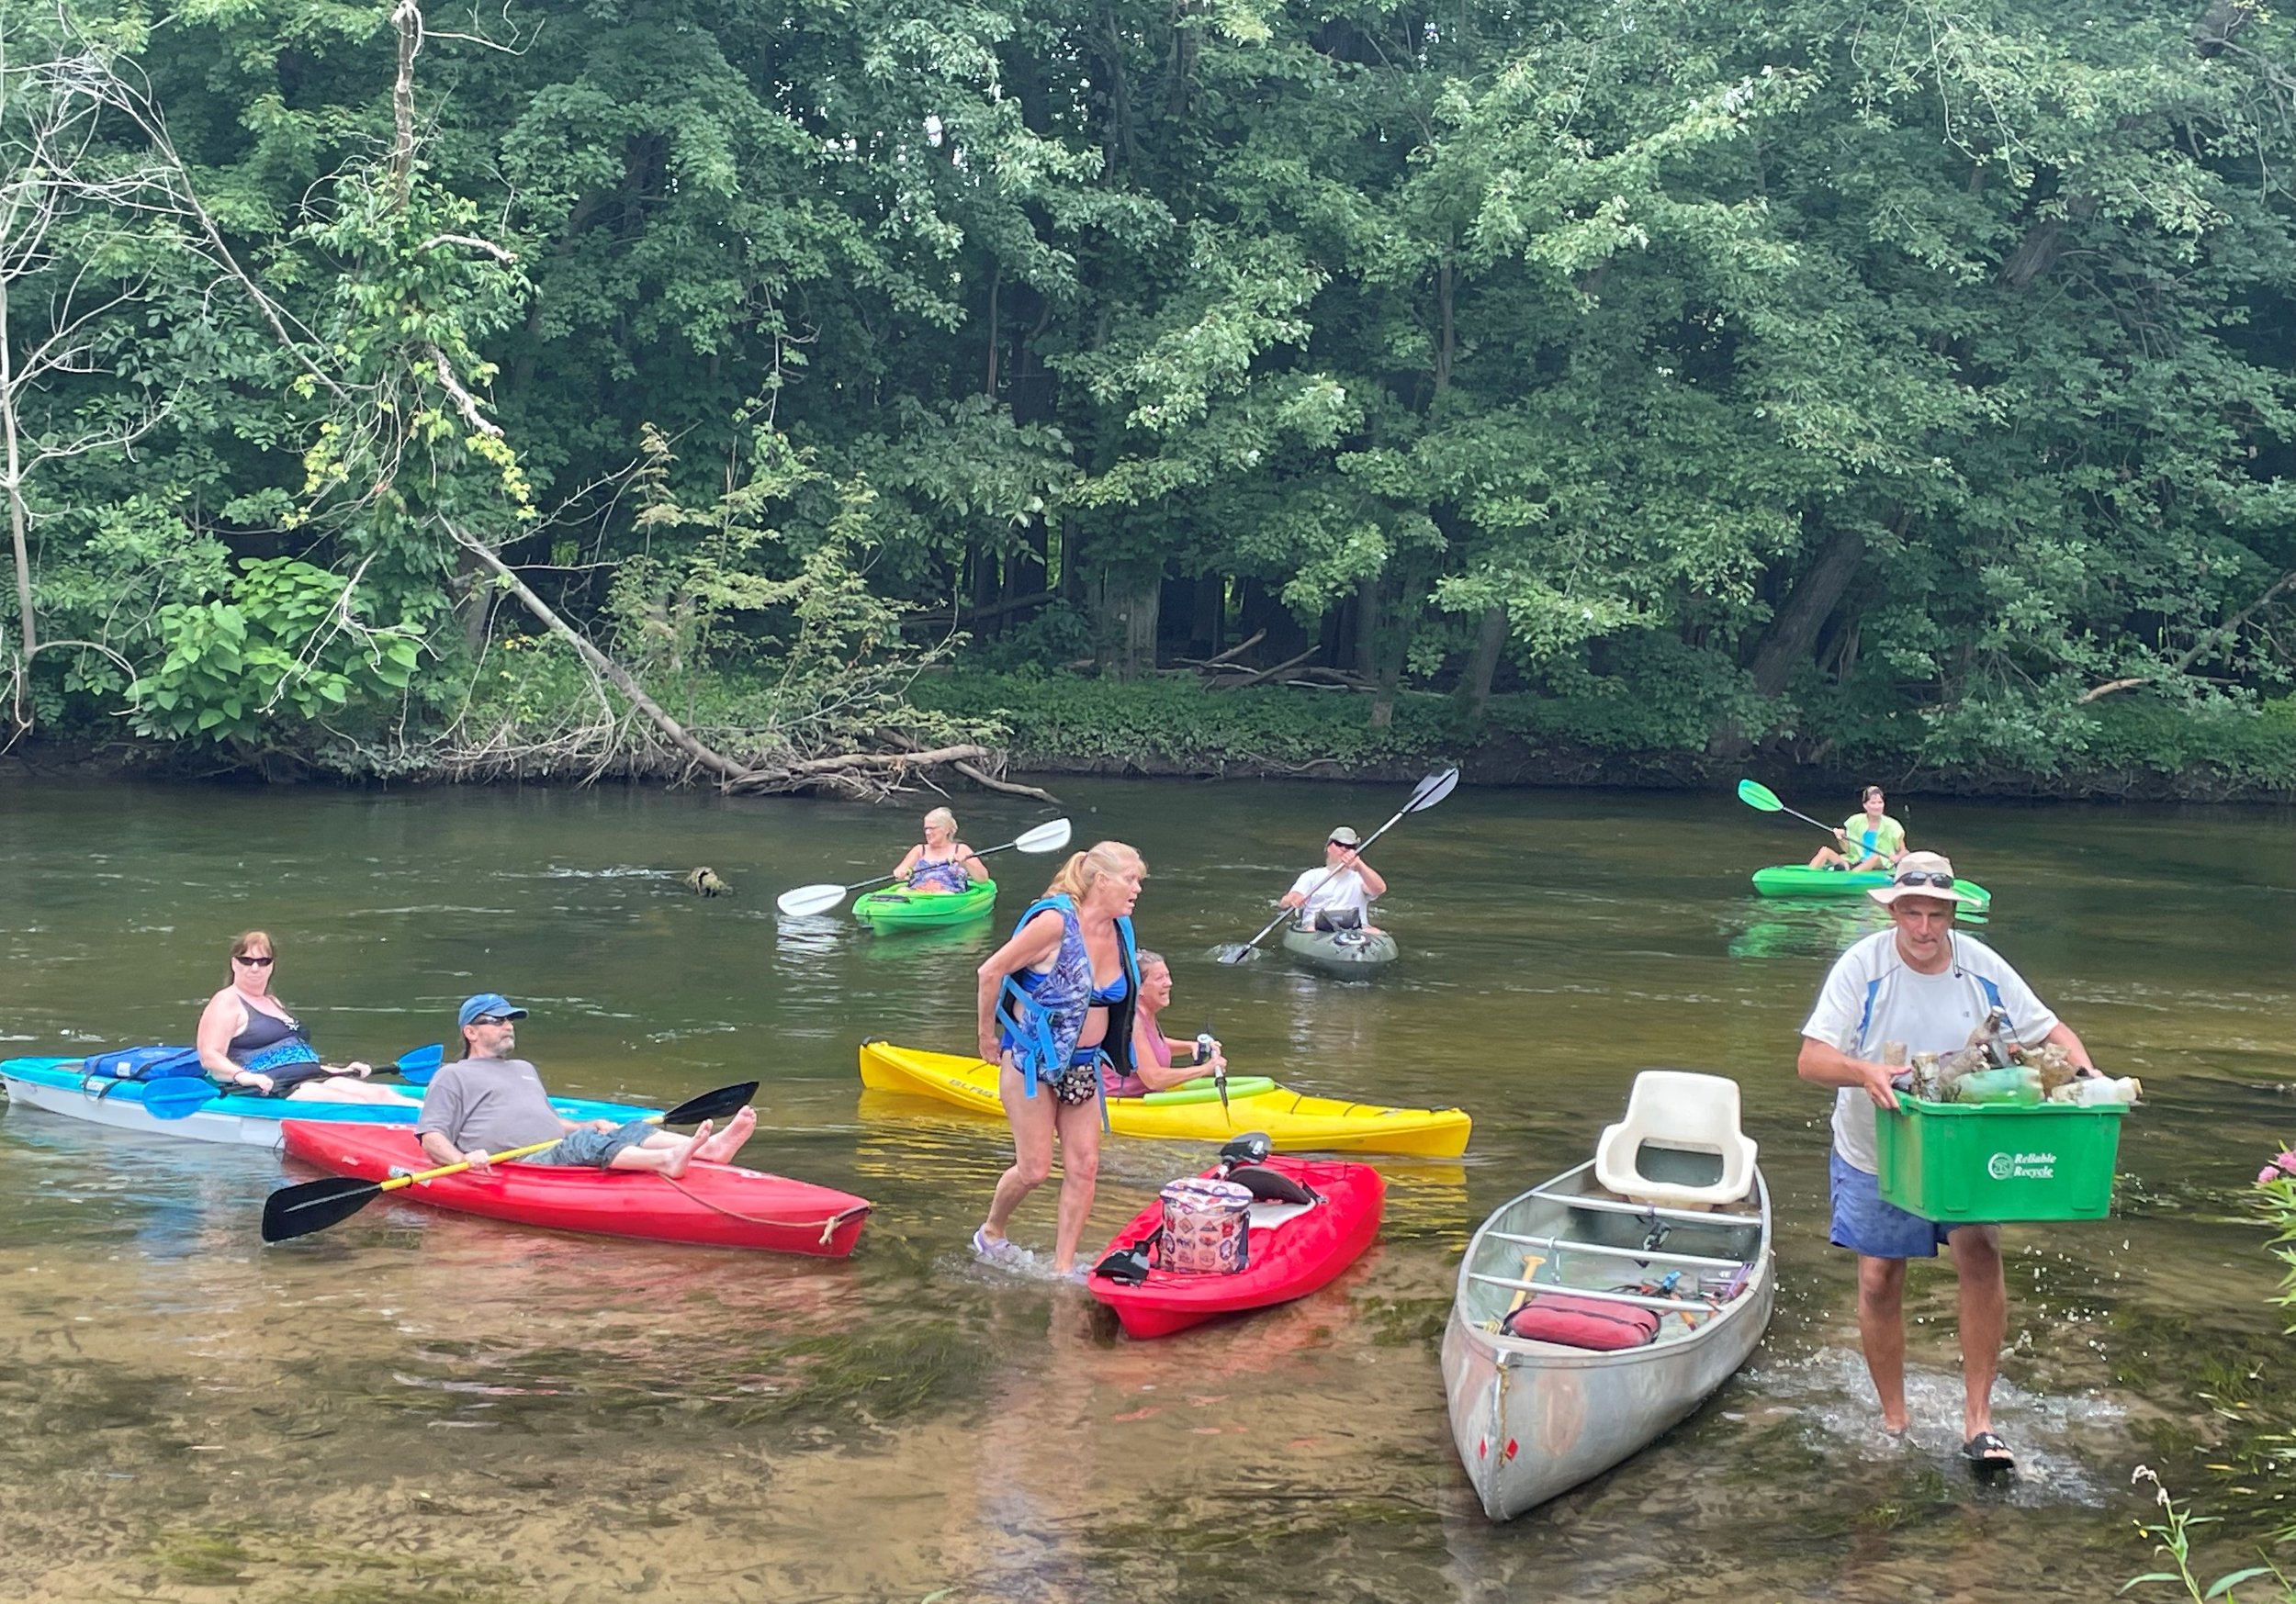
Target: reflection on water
{"x":415,"y":1405}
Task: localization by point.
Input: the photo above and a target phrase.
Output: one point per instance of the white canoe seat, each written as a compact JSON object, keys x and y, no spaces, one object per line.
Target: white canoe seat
{"x":1677,"y":1127}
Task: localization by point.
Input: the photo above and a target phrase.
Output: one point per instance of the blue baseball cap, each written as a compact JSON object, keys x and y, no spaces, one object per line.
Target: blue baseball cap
{"x":488,"y":1003}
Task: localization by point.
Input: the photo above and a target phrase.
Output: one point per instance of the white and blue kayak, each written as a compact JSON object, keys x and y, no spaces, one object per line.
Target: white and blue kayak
{"x":60,"y":1086}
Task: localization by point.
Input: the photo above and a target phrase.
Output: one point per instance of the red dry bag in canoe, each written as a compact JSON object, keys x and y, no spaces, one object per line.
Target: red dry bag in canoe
{"x":1582,"y":1322}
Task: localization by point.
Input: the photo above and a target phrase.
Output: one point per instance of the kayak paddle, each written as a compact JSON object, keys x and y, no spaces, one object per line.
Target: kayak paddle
{"x":1762,"y":799}
{"x":314,"y":1205}
{"x":1048,"y":837}
{"x":180,"y":1096}
{"x":1424,"y":795}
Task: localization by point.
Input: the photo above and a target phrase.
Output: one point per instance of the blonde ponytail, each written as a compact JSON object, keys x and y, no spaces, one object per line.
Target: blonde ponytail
{"x":1084,"y":869}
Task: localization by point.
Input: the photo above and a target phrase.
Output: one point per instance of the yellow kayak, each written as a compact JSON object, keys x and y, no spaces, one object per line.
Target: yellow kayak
{"x":1294,"y":1121}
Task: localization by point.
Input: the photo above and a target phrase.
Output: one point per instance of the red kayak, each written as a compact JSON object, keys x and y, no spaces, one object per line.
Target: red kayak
{"x":1294,"y":1248}
{"x":718,"y":1206}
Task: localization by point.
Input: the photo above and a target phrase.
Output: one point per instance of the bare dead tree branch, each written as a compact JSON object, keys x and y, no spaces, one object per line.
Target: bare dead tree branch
{"x":472,"y":243}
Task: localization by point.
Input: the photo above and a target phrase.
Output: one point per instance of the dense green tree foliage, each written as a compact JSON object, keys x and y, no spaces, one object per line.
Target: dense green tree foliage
{"x":1863,"y":380}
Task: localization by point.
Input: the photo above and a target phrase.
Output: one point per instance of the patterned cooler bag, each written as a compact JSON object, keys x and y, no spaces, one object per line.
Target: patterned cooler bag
{"x":1207,"y":1226}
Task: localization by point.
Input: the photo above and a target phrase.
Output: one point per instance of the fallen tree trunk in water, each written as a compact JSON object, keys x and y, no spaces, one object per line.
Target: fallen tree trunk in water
{"x":856,"y":774}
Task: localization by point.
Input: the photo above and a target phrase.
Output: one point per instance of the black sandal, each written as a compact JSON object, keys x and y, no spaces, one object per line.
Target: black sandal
{"x":1988,"y":1452}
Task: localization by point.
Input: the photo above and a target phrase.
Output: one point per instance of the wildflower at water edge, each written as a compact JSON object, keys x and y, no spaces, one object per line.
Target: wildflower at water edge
{"x":2281,"y":1169}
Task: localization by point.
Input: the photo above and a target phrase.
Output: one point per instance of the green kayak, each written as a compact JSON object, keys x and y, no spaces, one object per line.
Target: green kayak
{"x":1342,"y":952}
{"x":1795,"y":879}
{"x":898,"y":908}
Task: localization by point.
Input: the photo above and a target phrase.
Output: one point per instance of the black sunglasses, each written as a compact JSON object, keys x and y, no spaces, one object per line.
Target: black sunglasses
{"x":254,"y":960}
{"x":492,"y":1019}
{"x":1926,"y":877}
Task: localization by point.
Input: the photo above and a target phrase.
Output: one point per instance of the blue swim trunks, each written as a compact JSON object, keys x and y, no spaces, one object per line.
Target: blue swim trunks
{"x":577,"y":1149}
{"x":1864,"y":1223}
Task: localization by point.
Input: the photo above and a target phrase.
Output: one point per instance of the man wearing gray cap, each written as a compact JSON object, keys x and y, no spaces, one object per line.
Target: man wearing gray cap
{"x":491,"y":1103}
{"x":1338,"y":895}
{"x":1921,"y":984}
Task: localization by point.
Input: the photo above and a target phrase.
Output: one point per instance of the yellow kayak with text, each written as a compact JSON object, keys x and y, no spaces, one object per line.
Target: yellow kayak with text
{"x":1294,"y":1121}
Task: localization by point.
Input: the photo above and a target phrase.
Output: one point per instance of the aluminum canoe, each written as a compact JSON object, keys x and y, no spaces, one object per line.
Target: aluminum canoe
{"x":1533,"y":1420}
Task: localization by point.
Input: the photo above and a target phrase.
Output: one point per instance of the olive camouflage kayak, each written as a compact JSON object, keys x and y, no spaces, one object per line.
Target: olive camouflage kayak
{"x":1342,"y":952}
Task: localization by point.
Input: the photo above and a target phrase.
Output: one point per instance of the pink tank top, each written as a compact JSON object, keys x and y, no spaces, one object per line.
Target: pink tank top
{"x":1115,"y":1085}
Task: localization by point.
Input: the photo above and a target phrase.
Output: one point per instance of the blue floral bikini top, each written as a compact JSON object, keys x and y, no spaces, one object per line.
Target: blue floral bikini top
{"x":1041,"y":1013}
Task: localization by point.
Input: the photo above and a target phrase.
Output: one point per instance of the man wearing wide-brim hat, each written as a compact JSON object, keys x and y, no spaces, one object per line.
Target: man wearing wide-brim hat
{"x":1922,"y":983}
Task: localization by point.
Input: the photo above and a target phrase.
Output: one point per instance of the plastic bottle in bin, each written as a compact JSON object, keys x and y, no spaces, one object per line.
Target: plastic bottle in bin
{"x":2015,"y":1084}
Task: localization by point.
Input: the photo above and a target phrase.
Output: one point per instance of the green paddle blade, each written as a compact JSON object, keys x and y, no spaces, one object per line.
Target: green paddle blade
{"x":314,"y":1205}
{"x":1760,"y":796}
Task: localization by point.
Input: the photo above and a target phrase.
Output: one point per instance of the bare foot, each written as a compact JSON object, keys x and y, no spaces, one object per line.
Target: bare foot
{"x":675,"y":1160}
{"x":721,"y":1148}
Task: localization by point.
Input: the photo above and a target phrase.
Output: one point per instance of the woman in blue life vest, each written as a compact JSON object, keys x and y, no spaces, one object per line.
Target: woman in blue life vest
{"x":941,"y":862}
{"x":249,"y":1041}
{"x":1054,"y":1001}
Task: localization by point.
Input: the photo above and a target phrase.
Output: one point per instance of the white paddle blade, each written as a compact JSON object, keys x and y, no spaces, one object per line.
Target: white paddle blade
{"x":809,"y":898}
{"x":1048,"y":837}
{"x":1431,"y":789}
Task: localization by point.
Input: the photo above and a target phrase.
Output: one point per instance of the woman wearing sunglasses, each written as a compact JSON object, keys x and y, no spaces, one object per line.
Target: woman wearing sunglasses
{"x":250,"y":1042}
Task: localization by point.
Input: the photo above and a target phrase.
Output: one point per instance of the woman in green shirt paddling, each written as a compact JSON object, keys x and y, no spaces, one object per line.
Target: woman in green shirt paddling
{"x":1869,"y":838}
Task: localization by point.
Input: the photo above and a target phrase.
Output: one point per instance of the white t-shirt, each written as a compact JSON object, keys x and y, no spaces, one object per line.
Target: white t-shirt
{"x":1340,"y":892}
{"x":1928,"y":1013}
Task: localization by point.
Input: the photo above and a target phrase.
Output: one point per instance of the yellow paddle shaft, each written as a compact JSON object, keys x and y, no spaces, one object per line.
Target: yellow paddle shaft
{"x":396,"y":1182}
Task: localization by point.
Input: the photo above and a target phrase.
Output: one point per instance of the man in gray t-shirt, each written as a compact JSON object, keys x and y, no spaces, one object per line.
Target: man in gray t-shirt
{"x":491,"y":1103}
{"x":1920,"y":984}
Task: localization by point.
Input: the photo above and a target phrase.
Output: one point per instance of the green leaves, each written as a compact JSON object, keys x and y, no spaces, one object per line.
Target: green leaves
{"x":287,"y":642}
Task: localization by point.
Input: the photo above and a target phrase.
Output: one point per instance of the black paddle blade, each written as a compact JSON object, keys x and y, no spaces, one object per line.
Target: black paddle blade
{"x":1235,"y":952}
{"x":720,"y":1103}
{"x":1248,"y":1148}
{"x":314,"y":1205}
{"x":1433,"y":789}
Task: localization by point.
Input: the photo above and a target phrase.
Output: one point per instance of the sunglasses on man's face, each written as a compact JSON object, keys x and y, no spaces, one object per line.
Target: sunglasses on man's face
{"x":1926,"y":877}
{"x":490,"y":1019}
{"x":253,"y":961}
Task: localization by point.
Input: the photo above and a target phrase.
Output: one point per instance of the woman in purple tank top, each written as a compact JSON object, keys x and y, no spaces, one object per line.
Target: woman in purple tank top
{"x":941,"y":863}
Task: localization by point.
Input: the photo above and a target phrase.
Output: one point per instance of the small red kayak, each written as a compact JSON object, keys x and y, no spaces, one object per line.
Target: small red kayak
{"x":1293,"y":1248}
{"x":718,"y":1206}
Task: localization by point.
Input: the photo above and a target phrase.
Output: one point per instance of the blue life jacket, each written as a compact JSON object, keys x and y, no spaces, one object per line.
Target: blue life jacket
{"x":1039,"y":1023}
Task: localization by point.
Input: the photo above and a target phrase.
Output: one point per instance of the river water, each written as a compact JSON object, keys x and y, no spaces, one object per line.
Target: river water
{"x":414,"y":1406}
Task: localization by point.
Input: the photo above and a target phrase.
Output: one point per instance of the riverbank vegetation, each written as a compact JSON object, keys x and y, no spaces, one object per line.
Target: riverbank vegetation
{"x":2263,"y":1451}
{"x":807,"y":398}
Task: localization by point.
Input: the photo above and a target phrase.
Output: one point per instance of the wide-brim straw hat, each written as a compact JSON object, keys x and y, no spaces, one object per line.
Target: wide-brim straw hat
{"x":1918,"y":875}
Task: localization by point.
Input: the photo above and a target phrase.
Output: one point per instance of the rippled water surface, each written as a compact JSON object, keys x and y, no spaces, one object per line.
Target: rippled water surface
{"x":415,"y":1405}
